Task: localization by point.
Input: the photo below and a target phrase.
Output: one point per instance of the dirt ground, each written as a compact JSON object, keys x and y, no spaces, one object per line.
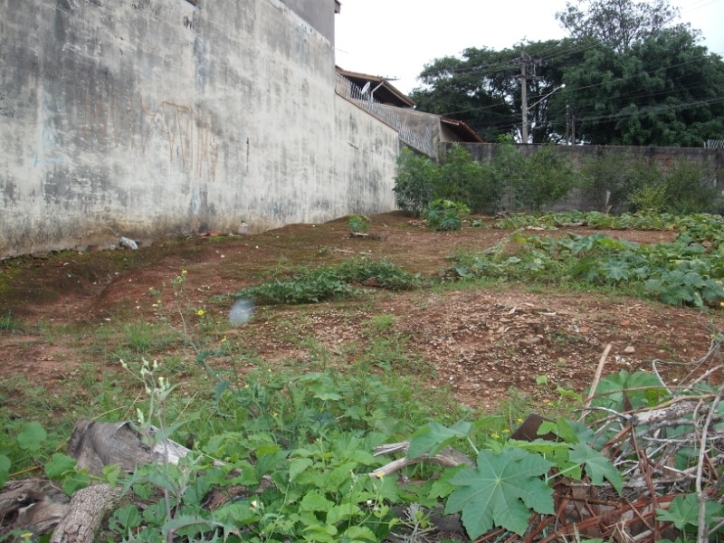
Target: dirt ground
{"x":478,"y":343}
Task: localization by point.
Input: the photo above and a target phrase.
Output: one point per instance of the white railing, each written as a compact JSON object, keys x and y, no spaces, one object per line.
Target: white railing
{"x":363,"y":98}
{"x":715,"y":144}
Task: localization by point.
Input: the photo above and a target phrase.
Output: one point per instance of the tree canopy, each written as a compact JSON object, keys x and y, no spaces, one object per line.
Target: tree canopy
{"x":617,"y":23}
{"x":633,"y":77}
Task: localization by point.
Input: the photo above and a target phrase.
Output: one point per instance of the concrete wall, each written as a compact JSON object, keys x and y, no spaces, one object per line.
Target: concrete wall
{"x":154,"y":117}
{"x":712,"y":160}
{"x":318,"y":14}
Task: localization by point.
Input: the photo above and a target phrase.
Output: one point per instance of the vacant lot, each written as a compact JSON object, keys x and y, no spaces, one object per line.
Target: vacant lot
{"x":70,"y":318}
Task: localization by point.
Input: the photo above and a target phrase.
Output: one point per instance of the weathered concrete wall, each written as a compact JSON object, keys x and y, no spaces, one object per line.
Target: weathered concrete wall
{"x":153,"y":117}
{"x":318,"y":14}
{"x":368,"y":148}
{"x":711,"y":160}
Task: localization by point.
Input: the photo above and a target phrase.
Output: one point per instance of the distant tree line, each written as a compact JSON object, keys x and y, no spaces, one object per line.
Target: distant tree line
{"x":632,"y":76}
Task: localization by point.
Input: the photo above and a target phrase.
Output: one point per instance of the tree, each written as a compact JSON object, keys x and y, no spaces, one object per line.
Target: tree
{"x":617,"y":23}
{"x":664,"y":90}
{"x":483,"y":90}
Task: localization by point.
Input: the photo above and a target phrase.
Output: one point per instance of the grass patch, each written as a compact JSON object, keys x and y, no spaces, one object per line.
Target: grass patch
{"x":9,"y":323}
{"x":314,"y":285}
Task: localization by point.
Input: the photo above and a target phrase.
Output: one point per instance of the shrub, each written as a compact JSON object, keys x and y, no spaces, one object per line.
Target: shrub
{"x":465,"y":180}
{"x":359,"y":224}
{"x":682,"y":189}
{"x":417,"y":177}
{"x":445,"y":214}
{"x":547,"y":178}
{"x":607,"y":180}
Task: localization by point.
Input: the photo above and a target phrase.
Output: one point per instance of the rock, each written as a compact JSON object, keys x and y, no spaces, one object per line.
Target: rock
{"x":629,"y":350}
{"x":128,"y":243}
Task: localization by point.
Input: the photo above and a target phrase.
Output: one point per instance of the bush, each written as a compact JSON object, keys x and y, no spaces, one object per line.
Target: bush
{"x":541,"y":180}
{"x":459,"y":178}
{"x":359,"y":224}
{"x":682,"y":189}
{"x":464,"y":180}
{"x":417,"y":177}
{"x":607,"y":180}
{"x":445,"y":215}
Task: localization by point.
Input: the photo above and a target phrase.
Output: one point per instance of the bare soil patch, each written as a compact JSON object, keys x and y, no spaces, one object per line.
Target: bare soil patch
{"x":477,"y":342}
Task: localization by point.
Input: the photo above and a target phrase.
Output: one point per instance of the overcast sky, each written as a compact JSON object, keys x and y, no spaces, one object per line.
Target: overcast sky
{"x":396,"y":38}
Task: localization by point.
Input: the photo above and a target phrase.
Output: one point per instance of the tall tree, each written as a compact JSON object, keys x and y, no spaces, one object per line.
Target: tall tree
{"x":665,"y":90}
{"x":483,"y":88}
{"x":617,"y":23}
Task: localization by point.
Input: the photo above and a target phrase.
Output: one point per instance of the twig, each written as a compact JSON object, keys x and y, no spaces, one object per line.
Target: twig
{"x":703,"y":533}
{"x":596,"y":379}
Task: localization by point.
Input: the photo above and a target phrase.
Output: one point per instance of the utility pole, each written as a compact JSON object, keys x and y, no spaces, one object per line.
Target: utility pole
{"x":524,"y":77}
{"x":523,"y":99}
{"x":573,"y":126}
{"x":568,"y":124}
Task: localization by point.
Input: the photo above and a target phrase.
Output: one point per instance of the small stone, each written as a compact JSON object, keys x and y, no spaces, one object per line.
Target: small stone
{"x":626,"y":323}
{"x":629,"y":350}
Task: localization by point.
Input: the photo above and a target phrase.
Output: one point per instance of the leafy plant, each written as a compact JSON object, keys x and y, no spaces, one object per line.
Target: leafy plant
{"x":8,"y":322}
{"x":501,"y":490}
{"x":445,"y":214}
{"x":359,"y":224}
{"x":548,"y":178}
{"x":417,"y":177}
{"x":334,"y":282}
{"x":682,"y":188}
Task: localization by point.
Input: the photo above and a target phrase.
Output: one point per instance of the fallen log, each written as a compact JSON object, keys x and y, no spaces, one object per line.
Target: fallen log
{"x":34,"y":505}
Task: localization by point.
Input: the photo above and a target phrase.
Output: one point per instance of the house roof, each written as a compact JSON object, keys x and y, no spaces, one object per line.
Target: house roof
{"x":384,"y":92}
{"x":466,"y":133}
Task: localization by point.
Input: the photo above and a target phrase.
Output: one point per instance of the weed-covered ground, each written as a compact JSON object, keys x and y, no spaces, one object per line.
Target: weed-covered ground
{"x":70,"y":318}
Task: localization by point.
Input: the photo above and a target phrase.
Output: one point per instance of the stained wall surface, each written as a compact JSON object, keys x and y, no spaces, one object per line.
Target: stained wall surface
{"x":148,"y":118}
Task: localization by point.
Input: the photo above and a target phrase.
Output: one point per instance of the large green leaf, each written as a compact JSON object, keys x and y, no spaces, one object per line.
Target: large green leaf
{"x":434,"y":436}
{"x":684,"y":510}
{"x":597,"y":466}
{"x":31,"y":436}
{"x":501,"y":491}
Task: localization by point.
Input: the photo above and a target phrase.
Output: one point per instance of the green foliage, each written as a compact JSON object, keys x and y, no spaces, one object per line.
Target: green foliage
{"x":417,"y":177}
{"x":635,"y":96}
{"x":607,"y":179}
{"x":683,"y":188}
{"x":445,"y":215}
{"x":544,"y":179}
{"x":510,"y":480}
{"x":459,"y":178}
{"x":618,"y":24}
{"x":8,"y":322}
{"x":316,"y":285}
{"x":359,"y":224}
{"x":481,"y":89}
{"x":305,"y":287}
{"x":25,"y":443}
{"x":501,"y":490}
{"x":683,"y":512}
{"x":623,"y":66}
{"x":386,"y":274}
{"x":465,"y":180}
{"x":682,"y":272}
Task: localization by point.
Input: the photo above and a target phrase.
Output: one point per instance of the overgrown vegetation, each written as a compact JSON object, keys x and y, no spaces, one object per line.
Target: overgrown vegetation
{"x":610,"y":182}
{"x":682,"y":272}
{"x":296,"y":441}
{"x":304,"y":286}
